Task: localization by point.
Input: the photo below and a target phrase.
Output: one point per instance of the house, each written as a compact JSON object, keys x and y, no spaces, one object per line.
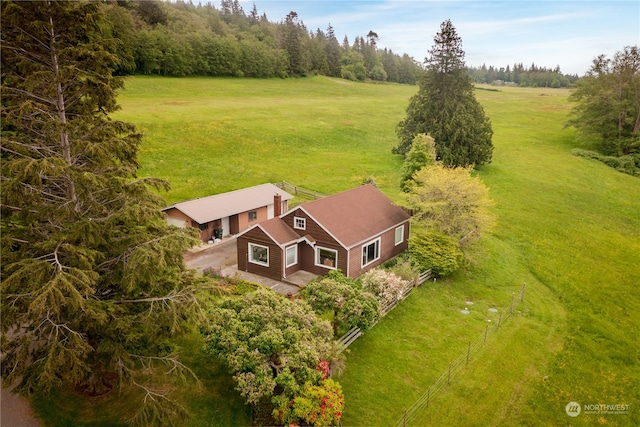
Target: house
{"x":229,"y":213}
{"x":352,"y":231}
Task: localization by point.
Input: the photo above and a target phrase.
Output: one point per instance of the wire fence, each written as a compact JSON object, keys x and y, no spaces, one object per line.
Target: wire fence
{"x":410,"y":414}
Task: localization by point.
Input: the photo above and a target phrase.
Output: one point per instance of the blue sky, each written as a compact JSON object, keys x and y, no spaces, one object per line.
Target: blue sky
{"x":548,"y":33}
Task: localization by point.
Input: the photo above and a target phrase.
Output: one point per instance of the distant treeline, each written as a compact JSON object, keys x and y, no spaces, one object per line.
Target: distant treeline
{"x":181,"y":39}
{"x":533,"y":76}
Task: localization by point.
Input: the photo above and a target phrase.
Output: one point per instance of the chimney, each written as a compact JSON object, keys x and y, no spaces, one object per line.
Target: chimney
{"x":277,"y":205}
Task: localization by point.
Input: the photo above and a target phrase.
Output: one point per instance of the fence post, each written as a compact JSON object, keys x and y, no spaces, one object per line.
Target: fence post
{"x":468,"y":351}
{"x":522,"y":293}
{"x":513,"y":295}
{"x":416,"y":281}
{"x":486,"y":330}
{"x":499,"y":319}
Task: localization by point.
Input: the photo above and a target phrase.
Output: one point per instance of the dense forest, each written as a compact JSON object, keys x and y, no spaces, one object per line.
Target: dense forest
{"x":181,"y":39}
{"x":519,"y":75}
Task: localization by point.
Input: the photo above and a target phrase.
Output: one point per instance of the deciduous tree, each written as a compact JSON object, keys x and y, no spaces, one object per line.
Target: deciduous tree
{"x":446,"y":108}
{"x":93,"y":279}
{"x":607,"y":109}
{"x":450,"y":201}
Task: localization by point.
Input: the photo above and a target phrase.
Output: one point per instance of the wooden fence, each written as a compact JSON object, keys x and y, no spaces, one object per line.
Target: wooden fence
{"x":411,"y":413}
{"x":300,"y":191}
{"x":354,"y":333}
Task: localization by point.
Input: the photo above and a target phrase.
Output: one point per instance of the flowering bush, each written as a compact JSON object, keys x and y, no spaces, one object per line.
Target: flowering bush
{"x":319,"y":405}
{"x":387,"y":287}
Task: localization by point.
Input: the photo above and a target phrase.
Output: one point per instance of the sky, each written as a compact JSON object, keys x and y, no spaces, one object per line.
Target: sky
{"x":568,"y":33}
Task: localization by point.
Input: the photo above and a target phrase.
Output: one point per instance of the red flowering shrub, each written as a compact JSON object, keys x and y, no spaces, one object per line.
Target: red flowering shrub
{"x":319,"y":405}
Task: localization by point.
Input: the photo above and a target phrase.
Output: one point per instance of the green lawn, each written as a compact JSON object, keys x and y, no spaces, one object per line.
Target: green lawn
{"x":213,"y":135}
{"x":567,"y":226}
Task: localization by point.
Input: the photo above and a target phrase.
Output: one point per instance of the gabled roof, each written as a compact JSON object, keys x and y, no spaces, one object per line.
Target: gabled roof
{"x":207,"y":209}
{"x":355,"y":216}
{"x":278,"y":231}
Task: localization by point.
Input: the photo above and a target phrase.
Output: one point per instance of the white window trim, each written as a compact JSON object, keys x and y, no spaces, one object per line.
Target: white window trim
{"x":286,"y":257}
{"x":251,"y":260}
{"x":303,"y":221}
{"x":371,"y":242}
{"x":401,"y":235}
{"x":317,"y":256}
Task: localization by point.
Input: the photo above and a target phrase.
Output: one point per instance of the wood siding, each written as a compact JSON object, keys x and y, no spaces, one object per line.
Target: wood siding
{"x":388,"y":250}
{"x":312,"y":228}
{"x":276,"y":263}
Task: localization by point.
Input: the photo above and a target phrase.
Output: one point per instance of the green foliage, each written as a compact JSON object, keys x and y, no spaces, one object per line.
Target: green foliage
{"x":176,"y":39}
{"x":435,"y":251}
{"x":607,"y":103}
{"x":318,"y":405}
{"x":93,"y":279}
{"x":451,"y":201}
{"x":518,"y":75}
{"x":337,"y":294}
{"x":421,"y":154}
{"x":445,"y":107}
{"x":268,"y":341}
{"x":629,"y":164}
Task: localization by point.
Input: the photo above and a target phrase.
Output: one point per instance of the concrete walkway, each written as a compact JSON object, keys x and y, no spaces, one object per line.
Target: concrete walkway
{"x":222,"y":258}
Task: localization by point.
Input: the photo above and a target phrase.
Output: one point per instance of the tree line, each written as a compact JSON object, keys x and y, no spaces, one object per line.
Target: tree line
{"x":533,"y":76}
{"x":183,"y":39}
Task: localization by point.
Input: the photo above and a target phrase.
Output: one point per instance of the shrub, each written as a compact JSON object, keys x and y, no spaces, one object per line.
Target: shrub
{"x":436,"y":251}
{"x":340,"y":295}
{"x":318,"y":405}
{"x":385,"y":286}
{"x":629,"y":164}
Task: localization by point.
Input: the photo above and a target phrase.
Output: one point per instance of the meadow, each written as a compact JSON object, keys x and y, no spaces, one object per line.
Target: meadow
{"x":568,"y":227}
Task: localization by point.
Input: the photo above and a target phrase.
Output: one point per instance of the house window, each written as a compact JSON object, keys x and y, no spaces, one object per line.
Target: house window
{"x":259,"y":254}
{"x":370,"y":252}
{"x":326,"y":257}
{"x":399,"y":235}
{"x":299,"y":223}
{"x":253,"y":215}
{"x":292,"y":255}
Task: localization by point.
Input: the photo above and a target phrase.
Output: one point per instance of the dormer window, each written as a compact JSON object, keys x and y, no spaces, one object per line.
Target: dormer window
{"x":299,"y":223}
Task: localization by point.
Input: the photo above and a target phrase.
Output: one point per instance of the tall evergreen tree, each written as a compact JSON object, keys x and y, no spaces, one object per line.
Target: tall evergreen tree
{"x":294,"y":35}
{"x":93,"y":280}
{"x":445,"y":107}
{"x":332,"y":50}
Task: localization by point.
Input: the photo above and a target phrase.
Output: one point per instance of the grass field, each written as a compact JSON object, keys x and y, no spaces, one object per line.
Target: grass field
{"x":567,"y":226}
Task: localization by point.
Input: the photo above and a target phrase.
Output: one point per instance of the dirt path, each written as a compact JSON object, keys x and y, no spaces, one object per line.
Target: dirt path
{"x":15,"y":411}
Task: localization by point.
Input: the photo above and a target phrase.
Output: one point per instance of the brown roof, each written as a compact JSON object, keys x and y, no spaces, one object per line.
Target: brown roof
{"x":279,"y":231}
{"x":356,"y":215}
{"x":207,"y":209}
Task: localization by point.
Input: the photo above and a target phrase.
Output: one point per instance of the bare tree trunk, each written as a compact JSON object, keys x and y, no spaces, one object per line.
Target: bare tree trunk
{"x":62,"y":113}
